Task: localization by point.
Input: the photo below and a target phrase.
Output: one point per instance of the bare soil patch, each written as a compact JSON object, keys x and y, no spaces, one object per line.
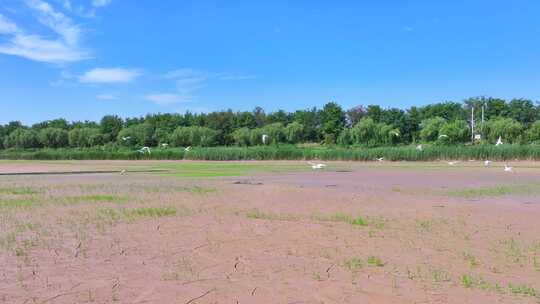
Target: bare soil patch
{"x":273,"y":233}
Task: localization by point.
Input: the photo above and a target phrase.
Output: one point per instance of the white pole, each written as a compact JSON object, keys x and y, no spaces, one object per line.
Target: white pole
{"x":483,"y":105}
{"x":472,"y":123}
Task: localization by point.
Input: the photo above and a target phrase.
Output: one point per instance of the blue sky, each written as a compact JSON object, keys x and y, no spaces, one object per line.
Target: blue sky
{"x":82,"y":59}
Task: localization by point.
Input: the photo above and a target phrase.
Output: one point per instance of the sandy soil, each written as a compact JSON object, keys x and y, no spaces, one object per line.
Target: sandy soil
{"x":353,"y":233}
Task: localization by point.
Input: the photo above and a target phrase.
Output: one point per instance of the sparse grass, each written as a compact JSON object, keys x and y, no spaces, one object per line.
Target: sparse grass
{"x":494,"y":191}
{"x":514,"y":251}
{"x":257,"y":214}
{"x":424,"y":225}
{"x":523,"y":289}
{"x":96,"y":198}
{"x":343,"y":218}
{"x":220,"y":169}
{"x":375,"y":261}
{"x":18,"y":190}
{"x":353,"y":264}
{"x":471,"y":259}
{"x":440,"y":276}
{"x":17,"y":202}
{"x":198,"y":189}
{"x":149,"y":212}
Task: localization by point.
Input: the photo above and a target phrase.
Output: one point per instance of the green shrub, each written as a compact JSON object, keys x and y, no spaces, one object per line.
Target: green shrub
{"x":85,"y":137}
{"x":53,"y":138}
{"x":194,"y":136}
{"x":22,"y":139}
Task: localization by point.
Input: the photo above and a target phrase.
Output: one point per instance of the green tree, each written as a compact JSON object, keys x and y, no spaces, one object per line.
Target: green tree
{"x":454,"y":132}
{"x":294,"y":132}
{"x":333,"y":119}
{"x":430,"y":128}
{"x":365,"y":132}
{"x":140,"y":134}
{"x":522,"y":111}
{"x":85,"y":137}
{"x":345,"y":137}
{"x":353,"y":115}
{"x":508,"y":129}
{"x":22,"y":139}
{"x":275,"y":132}
{"x":533,"y":134}
{"x":311,"y":121}
{"x":110,"y":126}
{"x":241,"y":136}
{"x":53,"y":137}
{"x":194,"y":136}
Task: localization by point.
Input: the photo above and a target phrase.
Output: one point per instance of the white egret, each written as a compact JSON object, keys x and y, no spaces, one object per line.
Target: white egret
{"x":315,"y":166}
{"x":443,"y":136}
{"x":123,"y":172}
{"x":144,"y":150}
{"x":508,"y":168}
{"x":499,"y":141}
{"x":487,"y":163}
{"x":264,"y":138}
{"x":395,"y":133}
{"x":164,"y":145}
{"x":451,"y":163}
{"x":380,"y":159}
{"x":419,"y":148}
{"x":187,"y":149}
{"x":126,"y":138}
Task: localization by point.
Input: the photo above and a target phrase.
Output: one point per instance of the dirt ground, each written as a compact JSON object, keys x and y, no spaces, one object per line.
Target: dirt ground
{"x":351,"y":233}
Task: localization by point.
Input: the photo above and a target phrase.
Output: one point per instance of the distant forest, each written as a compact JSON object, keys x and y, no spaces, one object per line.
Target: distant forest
{"x":516,"y":121}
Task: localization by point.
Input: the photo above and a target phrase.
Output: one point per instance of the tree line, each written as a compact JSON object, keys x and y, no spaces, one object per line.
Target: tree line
{"x":446,"y":123}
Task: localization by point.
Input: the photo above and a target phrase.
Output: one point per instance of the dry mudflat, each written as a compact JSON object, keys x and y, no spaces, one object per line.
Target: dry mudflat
{"x":269,"y":232}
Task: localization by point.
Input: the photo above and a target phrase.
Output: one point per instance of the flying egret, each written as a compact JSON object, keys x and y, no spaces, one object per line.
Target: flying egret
{"x":264,"y":138}
{"x":508,"y":168}
{"x":499,"y":141}
{"x":315,"y":166}
{"x":126,"y":138}
{"x":419,"y":148}
{"x":123,"y":172}
{"x":451,"y":163}
{"x":443,"y":136}
{"x":187,"y":149}
{"x":487,"y":163}
{"x":164,"y":145}
{"x":144,"y":150}
{"x":380,"y":159}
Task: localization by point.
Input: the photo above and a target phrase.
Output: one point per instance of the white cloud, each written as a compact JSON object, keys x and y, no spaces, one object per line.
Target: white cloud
{"x":101,"y":3}
{"x":39,"y":49}
{"x":56,"y":21}
{"x":188,"y":81}
{"x":109,"y":75}
{"x":167,"y":98}
{"x":7,"y":27}
{"x":60,"y":49}
{"x":106,"y":97}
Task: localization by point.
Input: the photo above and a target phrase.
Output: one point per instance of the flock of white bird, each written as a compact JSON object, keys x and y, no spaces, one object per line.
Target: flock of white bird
{"x":318,"y":166}
{"x":487,"y":163}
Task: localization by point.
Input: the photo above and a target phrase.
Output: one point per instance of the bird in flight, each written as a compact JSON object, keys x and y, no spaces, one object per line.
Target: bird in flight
{"x":315,"y":166}
{"x":145,"y":150}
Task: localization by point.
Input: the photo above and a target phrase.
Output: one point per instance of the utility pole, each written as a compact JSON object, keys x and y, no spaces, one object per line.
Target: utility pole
{"x":472,"y":124}
{"x":483,"y":105}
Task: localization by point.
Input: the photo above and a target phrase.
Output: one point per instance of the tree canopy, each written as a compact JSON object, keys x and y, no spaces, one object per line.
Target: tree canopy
{"x":515,"y":120}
